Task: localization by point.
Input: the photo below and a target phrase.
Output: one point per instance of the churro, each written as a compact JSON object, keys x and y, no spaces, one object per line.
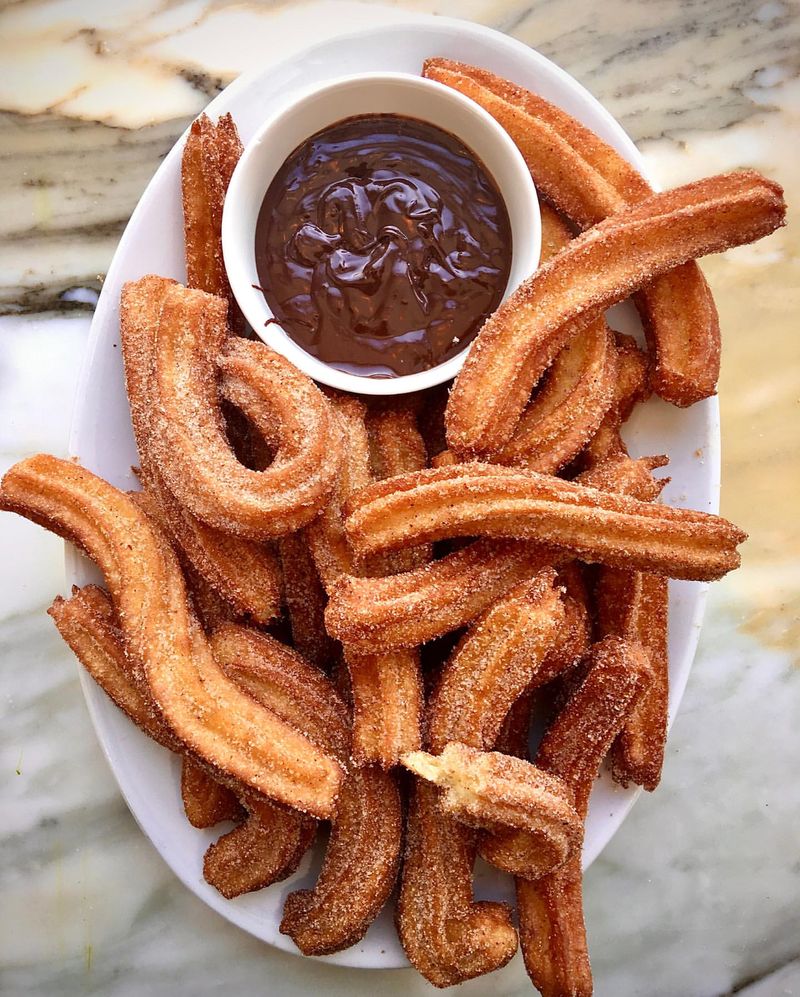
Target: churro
{"x":552,"y":933}
{"x":305,"y":601}
{"x":600,"y":267}
{"x":588,"y":180}
{"x":490,"y":790}
{"x":209,"y":158}
{"x":493,"y":664}
{"x":359,"y":869}
{"x":244,"y":573}
{"x":406,"y":610}
{"x":481,"y":499}
{"x":446,"y":934}
{"x":188,"y":441}
{"x":203,"y":709}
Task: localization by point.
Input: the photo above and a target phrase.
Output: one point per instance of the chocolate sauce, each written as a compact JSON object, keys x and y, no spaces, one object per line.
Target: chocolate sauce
{"x":382,"y":245}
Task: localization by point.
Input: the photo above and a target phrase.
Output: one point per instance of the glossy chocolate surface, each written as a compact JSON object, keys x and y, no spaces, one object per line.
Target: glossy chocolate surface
{"x":382,"y":245}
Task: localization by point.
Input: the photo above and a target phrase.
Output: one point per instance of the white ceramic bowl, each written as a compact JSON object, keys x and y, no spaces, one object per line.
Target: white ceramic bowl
{"x":321,"y":106}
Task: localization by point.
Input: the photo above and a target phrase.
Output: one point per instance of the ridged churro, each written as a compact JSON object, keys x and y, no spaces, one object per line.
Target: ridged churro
{"x":209,"y":158}
{"x":447,"y":935}
{"x":493,"y":664}
{"x":604,"y":265}
{"x":203,"y":709}
{"x":413,"y":608}
{"x":194,"y":364}
{"x":244,"y":573}
{"x":588,"y":180}
{"x":552,"y":933}
{"x":490,"y":790}
{"x":479,"y":499}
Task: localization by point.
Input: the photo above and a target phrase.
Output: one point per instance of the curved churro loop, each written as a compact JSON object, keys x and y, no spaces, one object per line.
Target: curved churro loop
{"x":384,"y":614}
{"x":552,"y":932}
{"x":486,"y":789}
{"x":493,"y":664}
{"x":204,"y":710}
{"x":188,"y":440}
{"x":588,"y":180}
{"x":244,"y":573}
{"x":481,"y":499}
{"x":446,"y":934}
{"x":359,"y":869}
{"x":602,"y":266}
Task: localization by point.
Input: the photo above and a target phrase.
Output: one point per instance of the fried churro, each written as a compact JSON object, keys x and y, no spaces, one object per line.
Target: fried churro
{"x":493,"y":664}
{"x":490,"y":790}
{"x":209,"y":158}
{"x":480,"y":499}
{"x":244,"y":573}
{"x":412,"y":608}
{"x":194,"y":364}
{"x":552,"y":933}
{"x":588,"y":180}
{"x":602,"y":266}
{"x":203,"y":709}
{"x":447,"y":935}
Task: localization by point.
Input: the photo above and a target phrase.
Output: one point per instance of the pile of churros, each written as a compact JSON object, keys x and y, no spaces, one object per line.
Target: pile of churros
{"x":346,"y":612}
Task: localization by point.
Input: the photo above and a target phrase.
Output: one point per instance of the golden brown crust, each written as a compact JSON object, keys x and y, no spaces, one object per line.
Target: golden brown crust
{"x":493,"y":664}
{"x":359,"y":869}
{"x":406,"y":610}
{"x":481,"y":499}
{"x":635,"y":605}
{"x":446,"y":935}
{"x":188,"y":441}
{"x":281,"y":680}
{"x":493,"y":791}
{"x":204,"y":710}
{"x":209,"y":158}
{"x":604,"y":265}
{"x":396,"y":446}
{"x":87,"y":623}
{"x":588,"y":180}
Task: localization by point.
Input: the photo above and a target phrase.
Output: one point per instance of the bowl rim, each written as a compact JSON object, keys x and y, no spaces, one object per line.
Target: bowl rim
{"x":238,"y":252}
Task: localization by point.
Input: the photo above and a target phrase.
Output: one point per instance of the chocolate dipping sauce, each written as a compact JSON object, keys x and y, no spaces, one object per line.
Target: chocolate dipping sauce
{"x":382,"y":245}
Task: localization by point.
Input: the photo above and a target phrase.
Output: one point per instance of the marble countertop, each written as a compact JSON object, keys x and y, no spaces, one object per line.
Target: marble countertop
{"x":698,"y":895}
